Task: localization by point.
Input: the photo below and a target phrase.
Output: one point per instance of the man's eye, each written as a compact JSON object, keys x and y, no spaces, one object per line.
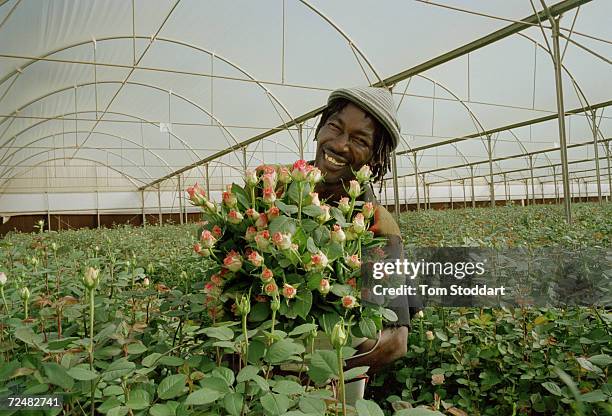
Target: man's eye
{"x":334,"y":126}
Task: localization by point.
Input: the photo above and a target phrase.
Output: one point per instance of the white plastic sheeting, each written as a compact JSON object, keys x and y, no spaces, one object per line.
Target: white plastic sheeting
{"x":108,"y":96}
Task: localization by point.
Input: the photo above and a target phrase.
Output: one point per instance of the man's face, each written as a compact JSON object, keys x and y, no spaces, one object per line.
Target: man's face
{"x":344,"y":143}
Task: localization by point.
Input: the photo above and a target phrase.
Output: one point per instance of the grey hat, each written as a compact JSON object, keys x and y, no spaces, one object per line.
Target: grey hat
{"x":376,"y":101}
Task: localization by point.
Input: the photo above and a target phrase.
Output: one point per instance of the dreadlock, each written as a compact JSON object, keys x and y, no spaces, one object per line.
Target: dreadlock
{"x":382,"y":142}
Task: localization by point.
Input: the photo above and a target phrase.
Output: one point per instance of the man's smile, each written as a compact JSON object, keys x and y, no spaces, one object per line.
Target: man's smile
{"x":336,"y":161}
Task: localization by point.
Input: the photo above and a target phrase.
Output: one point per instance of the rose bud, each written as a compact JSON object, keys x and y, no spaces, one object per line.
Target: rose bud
{"x":25,"y":293}
{"x":204,"y":252}
{"x":210,"y":288}
{"x":338,"y":235}
{"x":437,"y":379}
{"x":233,"y":261}
{"x":208,"y":240}
{"x":282,"y":241}
{"x":275,"y":304}
{"x":317,"y":262}
{"x":349,"y":302}
{"x":272,"y":213}
{"x":300,"y":171}
{"x":256,"y":259}
{"x":368,"y":210}
{"x":251,"y":178}
{"x":314,"y":199}
{"x":358,"y":226}
{"x":196,"y":195}
{"x":429,"y":336}
{"x":344,"y":205}
{"x":289,"y":291}
{"x":268,"y":169}
{"x":284,"y":176}
{"x":234,"y":217}
{"x":354,"y":189}
{"x":262,"y":239}
{"x":352,"y":282}
{"x":353,"y":261}
{"x":229,"y":199}
{"x":269,"y":196}
{"x":217,"y":231}
{"x":323,"y":218}
{"x":266,"y":275}
{"x":350,"y":234}
{"x":243,"y":305}
{"x":338,"y":336}
{"x":3,"y":279}
{"x":252,"y":214}
{"x":315,"y":175}
{"x":90,"y":279}
{"x":364,"y":174}
{"x":420,"y":314}
{"x":216,"y":279}
{"x":270,"y":289}
{"x":146,"y":282}
{"x":269,"y":180}
{"x":210,"y":206}
{"x":324,"y":287}
{"x":250,"y":234}
{"x":262,"y":221}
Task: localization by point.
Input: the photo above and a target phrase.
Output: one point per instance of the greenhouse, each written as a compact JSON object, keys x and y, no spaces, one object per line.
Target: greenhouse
{"x":163,"y":246}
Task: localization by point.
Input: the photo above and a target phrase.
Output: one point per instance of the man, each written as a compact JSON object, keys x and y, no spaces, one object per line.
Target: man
{"x":359,"y":126}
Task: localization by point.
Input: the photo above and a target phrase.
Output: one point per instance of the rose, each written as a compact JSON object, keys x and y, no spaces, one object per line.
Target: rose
{"x":354,"y":189}
{"x":272,"y":213}
{"x":338,"y":235}
{"x":344,"y":205}
{"x":429,"y":336}
{"x":349,"y":302}
{"x":252,"y":214}
{"x":270,"y":289}
{"x":338,"y":336}
{"x":208,"y":240}
{"x":232,"y":261}
{"x":250,"y":234}
{"x":217,"y":231}
{"x":289,"y":291}
{"x":324,"y":287}
{"x":255,"y":258}
{"x":284,"y":176}
{"x":300,"y":171}
{"x":211,"y":288}
{"x":318,"y":261}
{"x":267,"y":169}
{"x":269,"y":196}
{"x":364,"y":174}
{"x":146,"y":282}
{"x":90,"y":278}
{"x":251,"y":178}
{"x":216,"y":279}
{"x":353,"y":261}
{"x":25,"y":293}
{"x":199,"y":250}
{"x":269,"y":180}
{"x":323,"y":218}
{"x":358,"y":226}
{"x":352,"y":282}
{"x":234,"y":217}
{"x":282,"y":241}
{"x":314,"y":199}
{"x":420,"y":314}
{"x":266,"y":275}
{"x":368,"y":210}
{"x":262,"y":221}
{"x":196,"y":194}
{"x":315,"y":175}
{"x":229,"y":199}
{"x":262,"y":240}
{"x":437,"y":379}
{"x":3,"y":278}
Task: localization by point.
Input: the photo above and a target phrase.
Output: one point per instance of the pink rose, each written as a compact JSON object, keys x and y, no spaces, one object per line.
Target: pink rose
{"x":270,"y":288}
{"x":349,"y":302}
{"x":368,"y":210}
{"x":255,"y":258}
{"x":208,"y":239}
{"x":300,"y":171}
{"x":250,"y":234}
{"x":354,"y":189}
{"x":323,"y":218}
{"x":318,"y":261}
{"x":262,"y":221}
{"x":282,"y":241}
{"x":324,"y":287}
{"x":364,"y":174}
{"x":314,"y":199}
{"x":262,"y":239}
{"x":252,"y":214}
{"x":353,"y":261}
{"x":344,"y":205}
{"x":251,"y":178}
{"x":196,"y":194}
{"x":272,"y":213}
{"x":315,"y":175}
{"x":358,"y":226}
{"x":338,"y":235}
{"x":269,"y":196}
{"x":234,"y":217}
{"x":216,"y":279}
{"x":229,"y":199}
{"x":284,"y":176}
{"x":269,"y":180}
{"x":232,"y":261}
{"x":289,"y":291}
{"x":217,"y":231}
{"x":266,"y":275}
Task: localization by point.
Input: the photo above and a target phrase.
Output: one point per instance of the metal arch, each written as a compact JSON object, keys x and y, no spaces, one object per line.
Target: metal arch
{"x":12,"y":168}
{"x":163,"y":39}
{"x":84,"y":131}
{"x":346,"y":37}
{"x":125,"y":175}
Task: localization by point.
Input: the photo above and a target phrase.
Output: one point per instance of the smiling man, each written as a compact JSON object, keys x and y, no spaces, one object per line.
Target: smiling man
{"x":359,"y":126}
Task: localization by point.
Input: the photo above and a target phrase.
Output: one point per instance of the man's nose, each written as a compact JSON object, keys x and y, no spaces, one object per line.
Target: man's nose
{"x":341,"y":142}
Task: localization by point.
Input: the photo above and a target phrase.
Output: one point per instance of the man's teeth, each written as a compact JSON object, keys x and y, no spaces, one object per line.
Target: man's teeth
{"x":333,"y":161}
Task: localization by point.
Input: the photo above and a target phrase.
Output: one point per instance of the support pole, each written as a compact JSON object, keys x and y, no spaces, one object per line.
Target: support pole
{"x":301,"y":141}
{"x":506,"y":196}
{"x":207,"y":182}
{"x":450,"y":191}
{"x":428,"y":195}
{"x":386,"y":199}
{"x":542,"y":189}
{"x":561,"y":118}
{"x":395,"y":187}
{"x":526,"y":193}
{"x":491,"y":184}
{"x":579,"y":191}
{"x":557,"y":196}
{"x":159,"y":210}
{"x":142,"y":198}
{"x":244,"y":160}
{"x":406,"y":192}
{"x":596,"y":149}
{"x":49,"y":212}
{"x":608,"y":151}
{"x":472,"y":186}
{"x":416,"y":181}
{"x":98,"y":208}
{"x":464,"y":197}
{"x":532,"y":181}
{"x":180,"y":198}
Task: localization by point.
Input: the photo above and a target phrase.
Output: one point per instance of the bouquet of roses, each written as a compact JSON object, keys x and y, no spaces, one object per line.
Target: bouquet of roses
{"x":280,"y":253}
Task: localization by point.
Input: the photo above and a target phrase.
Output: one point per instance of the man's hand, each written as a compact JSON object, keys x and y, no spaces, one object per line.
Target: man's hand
{"x":393,"y":345}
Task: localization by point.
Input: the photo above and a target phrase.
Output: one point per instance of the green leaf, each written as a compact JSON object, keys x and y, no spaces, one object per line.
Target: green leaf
{"x":118,"y":411}
{"x":28,"y":336}
{"x":594,"y":396}
{"x":417,"y":412}
{"x":601,"y":360}
{"x":303,"y":303}
{"x":282,"y":224}
{"x":119,"y":368}
{"x":247,"y":373}
{"x":312,"y":405}
{"x":389,"y":315}
{"x":368,"y":328}
{"x":171,"y":386}
{"x":139,"y":399}
{"x":82,"y":373}
{"x":587,"y":365}
{"x":151,"y":359}
{"x":334,"y":251}
{"x":233,"y":403}
{"x":311,"y":246}
{"x":312,"y":210}
{"x":171,"y":361}
{"x":281,"y":350}
{"x":275,"y":404}
{"x":7,"y":370}
{"x":161,"y":410}
{"x":441,"y":335}
{"x":323,"y":365}
{"x":136,"y":348}
{"x":368,"y":408}
{"x":58,"y":375}
{"x":225,"y":374}
{"x":355,"y":372}
{"x":241,"y":195}
{"x":220,"y":332}
{"x":553,"y":388}
{"x":309,"y":225}
{"x":203,"y":396}
{"x":288,"y":387}
{"x":302,"y":329}
{"x":287,"y":209}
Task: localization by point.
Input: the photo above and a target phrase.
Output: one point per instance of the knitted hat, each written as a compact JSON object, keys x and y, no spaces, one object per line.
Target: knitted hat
{"x":376,"y":101}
